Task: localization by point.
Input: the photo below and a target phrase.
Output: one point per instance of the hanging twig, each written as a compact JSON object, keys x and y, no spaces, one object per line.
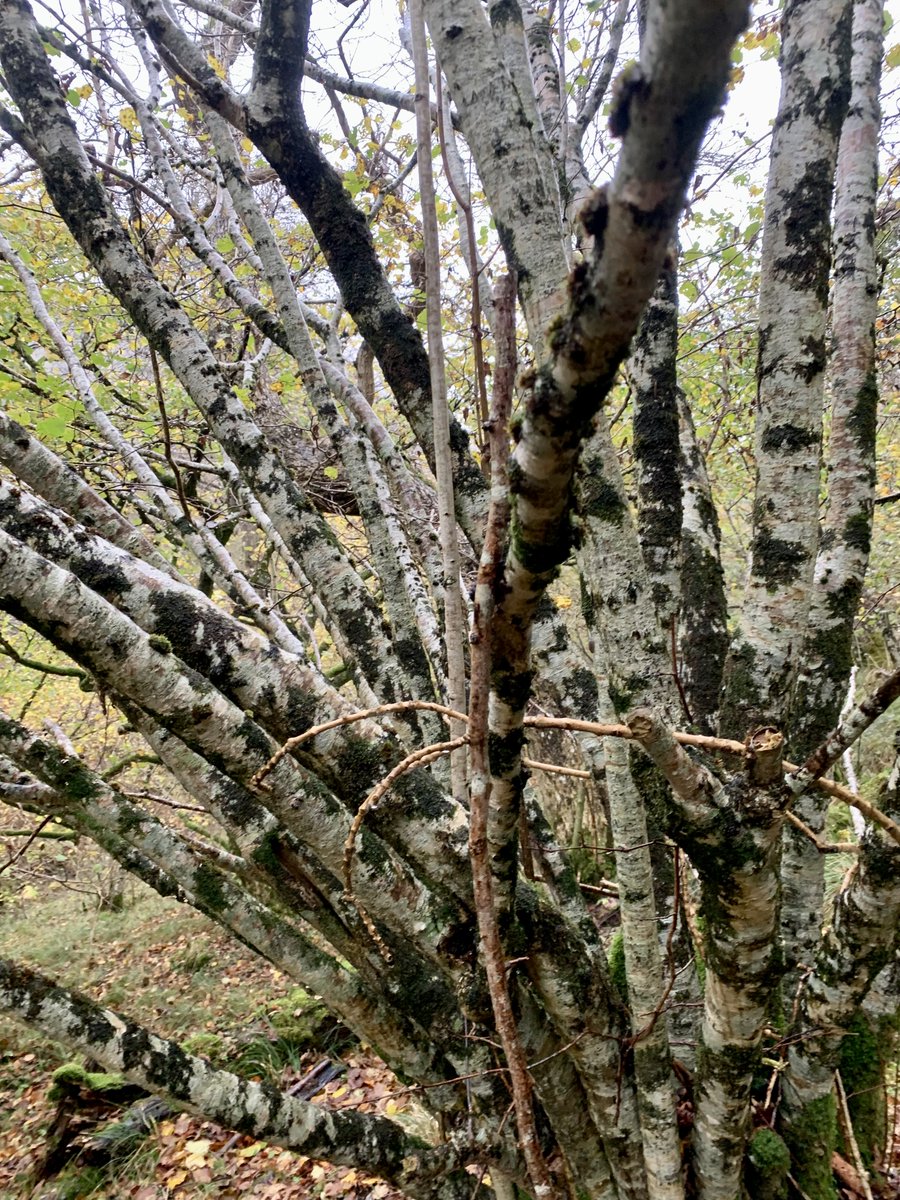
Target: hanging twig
{"x":727,"y":745}
{"x":167,"y":438}
{"x":418,"y":758}
{"x":14,"y":858}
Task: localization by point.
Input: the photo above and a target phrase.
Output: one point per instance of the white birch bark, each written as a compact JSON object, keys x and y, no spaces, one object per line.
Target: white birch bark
{"x":50,"y":477}
{"x":644,"y":970}
{"x":733,"y":834}
{"x":67,"y":174}
{"x":846,"y":530}
{"x":489,"y":78}
{"x":407,"y":605}
{"x":107,"y":817}
{"x":791,"y":364}
{"x":454,"y":622}
{"x":126,"y":661}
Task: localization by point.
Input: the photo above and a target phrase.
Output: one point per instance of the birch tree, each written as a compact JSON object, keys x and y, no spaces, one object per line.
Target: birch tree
{"x":322,"y":566}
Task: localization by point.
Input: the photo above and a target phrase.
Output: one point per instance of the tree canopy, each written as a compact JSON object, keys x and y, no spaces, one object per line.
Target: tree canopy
{"x":458,"y":466}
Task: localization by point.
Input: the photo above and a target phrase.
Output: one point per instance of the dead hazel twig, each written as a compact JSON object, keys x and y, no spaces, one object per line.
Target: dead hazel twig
{"x":822,"y":847}
{"x":702,"y":741}
{"x":418,"y":758}
{"x":363,"y":714}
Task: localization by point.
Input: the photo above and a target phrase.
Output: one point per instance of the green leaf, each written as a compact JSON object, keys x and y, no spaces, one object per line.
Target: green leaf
{"x":353,"y":183}
{"x":52,"y":428}
{"x":225,"y":245}
{"x":73,"y":97}
{"x":892,"y":58}
{"x":574,"y":45}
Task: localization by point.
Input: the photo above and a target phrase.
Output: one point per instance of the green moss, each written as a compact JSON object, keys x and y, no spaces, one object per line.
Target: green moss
{"x":160,"y":643}
{"x":862,"y":1066}
{"x":811,"y":1139}
{"x":372,"y":852}
{"x":208,"y":889}
{"x":206,"y":1045}
{"x":79,"y":783}
{"x":858,"y":532}
{"x":359,"y":765}
{"x":767,"y":1165}
{"x":775,"y":560}
{"x":616,"y":959}
{"x":863,"y":418}
{"x":78,"y":1184}
{"x":72,"y":1077}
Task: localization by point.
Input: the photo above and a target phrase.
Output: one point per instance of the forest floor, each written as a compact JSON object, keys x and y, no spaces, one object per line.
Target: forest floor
{"x":171,"y":969}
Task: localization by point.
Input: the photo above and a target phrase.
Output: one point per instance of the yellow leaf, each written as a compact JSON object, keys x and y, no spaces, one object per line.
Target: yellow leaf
{"x":563,"y":601}
{"x":176,"y":1180}
{"x":250,"y":1151}
{"x":200,"y":1146}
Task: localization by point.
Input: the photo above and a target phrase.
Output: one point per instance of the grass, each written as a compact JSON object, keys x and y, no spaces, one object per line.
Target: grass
{"x":170,"y":968}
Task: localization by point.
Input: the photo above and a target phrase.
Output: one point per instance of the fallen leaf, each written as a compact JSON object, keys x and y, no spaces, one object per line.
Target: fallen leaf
{"x":250,"y":1151}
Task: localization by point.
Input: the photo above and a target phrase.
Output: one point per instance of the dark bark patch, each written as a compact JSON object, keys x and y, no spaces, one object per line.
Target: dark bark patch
{"x":788,"y":438}
{"x":777,"y":561}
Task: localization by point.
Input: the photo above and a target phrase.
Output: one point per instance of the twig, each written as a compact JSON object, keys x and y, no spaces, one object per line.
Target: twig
{"x":167,"y":438}
{"x":702,"y":741}
{"x":418,"y":758}
{"x":823,"y":847}
{"x":33,"y":665}
{"x":849,"y":1136}
{"x":13,"y":858}
{"x":363,"y":714}
{"x":554,"y":768}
